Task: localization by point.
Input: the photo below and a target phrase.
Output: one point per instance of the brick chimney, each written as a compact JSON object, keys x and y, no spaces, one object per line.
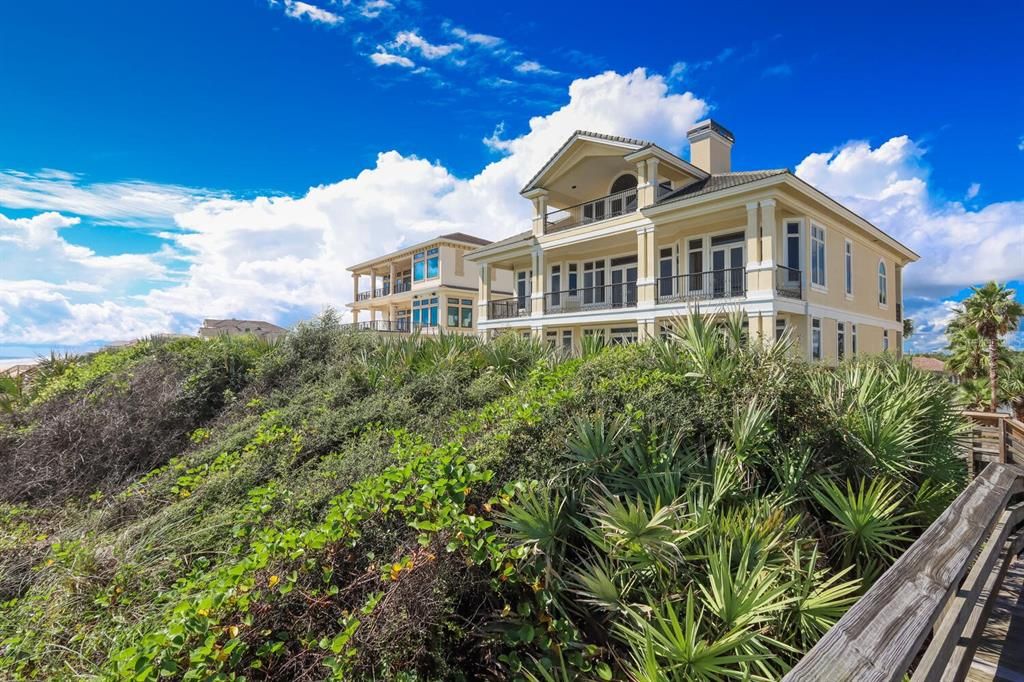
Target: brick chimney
{"x":710,"y":146}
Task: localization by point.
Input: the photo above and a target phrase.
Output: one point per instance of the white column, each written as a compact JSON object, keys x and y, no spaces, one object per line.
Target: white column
{"x":373,"y":284}
{"x":391,"y":277}
{"x":539,"y":282}
{"x":355,"y":287}
{"x":483,"y":292}
{"x":768,"y":232}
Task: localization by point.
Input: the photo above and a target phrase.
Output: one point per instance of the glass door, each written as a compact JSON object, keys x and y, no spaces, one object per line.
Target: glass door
{"x":624,"y":285}
{"x":727,"y":271}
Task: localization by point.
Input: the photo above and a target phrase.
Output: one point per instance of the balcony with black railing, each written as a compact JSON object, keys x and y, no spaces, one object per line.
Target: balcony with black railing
{"x":702,"y":286}
{"x":608,"y":296}
{"x":364,"y":296}
{"x":508,"y":308}
{"x":595,"y":210}
{"x":401,"y":325}
{"x":789,"y":282}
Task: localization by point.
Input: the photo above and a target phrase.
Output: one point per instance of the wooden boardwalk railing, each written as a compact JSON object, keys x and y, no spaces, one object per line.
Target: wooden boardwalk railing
{"x":995,"y":437}
{"x":927,"y":614}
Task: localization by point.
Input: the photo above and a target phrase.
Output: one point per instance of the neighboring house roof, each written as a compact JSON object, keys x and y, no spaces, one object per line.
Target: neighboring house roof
{"x":507,"y":241}
{"x":928,"y":364}
{"x":572,"y":138}
{"x":260,"y":324}
{"x":467,"y":238}
{"x":719,"y":182}
{"x":461,"y":237}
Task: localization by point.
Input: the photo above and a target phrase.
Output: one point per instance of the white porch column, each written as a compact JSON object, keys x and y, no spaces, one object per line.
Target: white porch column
{"x":355,"y":287}
{"x":768,"y":232}
{"x":483,"y":292}
{"x":539,"y":197}
{"x":373,"y":284}
{"x":646,"y":260}
{"x":644,"y":190}
{"x":652,"y":180}
{"x":391,"y":277}
{"x":538,"y":282}
{"x":753,"y":239}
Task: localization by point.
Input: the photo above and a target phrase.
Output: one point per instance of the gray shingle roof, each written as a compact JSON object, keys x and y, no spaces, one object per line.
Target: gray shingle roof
{"x":588,"y":133}
{"x":719,"y":182}
{"x":466,"y":238}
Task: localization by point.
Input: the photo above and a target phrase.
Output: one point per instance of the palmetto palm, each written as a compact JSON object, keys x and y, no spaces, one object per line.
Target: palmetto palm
{"x":993,"y":311}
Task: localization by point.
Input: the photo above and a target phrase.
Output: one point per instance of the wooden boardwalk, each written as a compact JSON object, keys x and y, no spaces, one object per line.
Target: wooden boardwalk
{"x":1000,"y":653}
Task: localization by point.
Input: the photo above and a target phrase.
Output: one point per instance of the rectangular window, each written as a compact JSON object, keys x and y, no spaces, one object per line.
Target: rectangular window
{"x":567,"y":339}
{"x":853,"y":338}
{"x":815,"y":339}
{"x":817,"y":255}
{"x":467,"y":316}
{"x":593,"y":282}
{"x":419,"y":267}
{"x":849,"y":268}
{"x":665,"y":282}
{"x":453,"y":312}
{"x":793,"y":245}
{"x":556,"y":285}
{"x":695,"y":264}
{"x":573,"y":279}
{"x":840,"y":340}
{"x":523,"y":287}
{"x":780,"y":328}
{"x":433,"y":266}
{"x":885,"y":340}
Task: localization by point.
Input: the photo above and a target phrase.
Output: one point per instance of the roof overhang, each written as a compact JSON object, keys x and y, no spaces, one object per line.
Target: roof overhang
{"x":653,"y":151}
{"x":627,"y":145}
{"x":800,"y":187}
{"x":408,"y":251}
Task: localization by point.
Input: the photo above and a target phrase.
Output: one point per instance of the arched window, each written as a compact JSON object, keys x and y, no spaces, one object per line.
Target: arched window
{"x":883,"y":289}
{"x":624,"y":182}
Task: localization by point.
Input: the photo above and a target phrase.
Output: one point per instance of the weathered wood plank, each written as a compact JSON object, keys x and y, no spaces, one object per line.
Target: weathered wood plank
{"x":947,"y":634}
{"x":881,"y":634}
{"x":964,"y":653}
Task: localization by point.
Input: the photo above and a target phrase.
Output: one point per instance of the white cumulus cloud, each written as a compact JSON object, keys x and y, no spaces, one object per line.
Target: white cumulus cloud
{"x":411,"y":40}
{"x":297,"y":9}
{"x":382,"y":58}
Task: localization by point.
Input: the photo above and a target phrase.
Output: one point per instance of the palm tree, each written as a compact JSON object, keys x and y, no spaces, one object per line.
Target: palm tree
{"x":992,"y":310}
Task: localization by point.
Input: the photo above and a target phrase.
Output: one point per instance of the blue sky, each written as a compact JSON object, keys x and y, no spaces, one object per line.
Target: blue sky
{"x":157,"y":159}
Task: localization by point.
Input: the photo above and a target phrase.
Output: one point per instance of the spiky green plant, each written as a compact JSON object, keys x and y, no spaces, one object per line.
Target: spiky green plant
{"x":868,"y":521}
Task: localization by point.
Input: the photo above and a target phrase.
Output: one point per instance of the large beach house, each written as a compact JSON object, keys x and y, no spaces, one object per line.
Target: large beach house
{"x":425,"y":287}
{"x":627,"y":236}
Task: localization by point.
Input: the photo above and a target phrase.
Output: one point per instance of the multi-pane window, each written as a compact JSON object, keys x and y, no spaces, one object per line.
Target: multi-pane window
{"x":840,"y":340}
{"x":425,"y":265}
{"x":593,"y":282}
{"x":815,"y":339}
{"x":556,"y":285}
{"x":849,"y":268}
{"x":665,"y":281}
{"x":523,"y":288}
{"x":424,"y":312}
{"x":780,"y":328}
{"x":885,"y":339}
{"x":817,"y":255}
{"x":460,"y":312}
{"x":883,"y":286}
{"x":695,"y":263}
{"x":573,"y":279}
{"x":793,"y":245}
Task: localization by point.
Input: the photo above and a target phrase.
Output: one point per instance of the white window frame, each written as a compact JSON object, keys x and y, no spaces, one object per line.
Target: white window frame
{"x":885,"y":340}
{"x":800,"y":249}
{"x":882,"y":275}
{"x":823,"y":285}
{"x":848,"y":265}
{"x":817,"y":330}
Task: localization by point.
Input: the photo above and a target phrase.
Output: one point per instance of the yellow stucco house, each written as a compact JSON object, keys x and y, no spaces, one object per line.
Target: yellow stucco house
{"x":426,"y":287}
{"x":626,"y":236}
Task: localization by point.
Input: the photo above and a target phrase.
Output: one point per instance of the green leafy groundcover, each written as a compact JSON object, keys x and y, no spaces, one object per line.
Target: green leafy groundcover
{"x":349,"y":506}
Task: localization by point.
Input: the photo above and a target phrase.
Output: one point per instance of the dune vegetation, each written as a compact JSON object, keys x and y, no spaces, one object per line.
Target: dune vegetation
{"x":349,"y":506}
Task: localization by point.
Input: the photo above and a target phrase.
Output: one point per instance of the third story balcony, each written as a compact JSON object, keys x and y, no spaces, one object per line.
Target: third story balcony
{"x":595,"y":210}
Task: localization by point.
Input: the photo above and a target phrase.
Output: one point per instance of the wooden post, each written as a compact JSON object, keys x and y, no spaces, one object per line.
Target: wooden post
{"x":1002,"y":439}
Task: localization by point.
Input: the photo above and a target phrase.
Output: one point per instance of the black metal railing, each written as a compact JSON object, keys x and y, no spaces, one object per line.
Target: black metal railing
{"x":591,"y":211}
{"x":402,"y":325}
{"x":402,"y":286}
{"x":622,"y":295}
{"x":364,"y":295}
{"x":508,"y":308}
{"x":702,"y":286}
{"x":789,"y":282}
{"x":381,"y":292}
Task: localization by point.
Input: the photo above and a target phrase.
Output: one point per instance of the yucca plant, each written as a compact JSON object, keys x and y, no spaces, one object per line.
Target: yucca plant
{"x":870,"y":526}
{"x":664,"y":646}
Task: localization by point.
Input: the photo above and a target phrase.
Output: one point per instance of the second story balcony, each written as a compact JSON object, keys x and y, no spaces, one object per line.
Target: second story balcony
{"x":609,"y":296}
{"x":508,"y":308}
{"x":703,"y":286}
{"x":592,"y":211}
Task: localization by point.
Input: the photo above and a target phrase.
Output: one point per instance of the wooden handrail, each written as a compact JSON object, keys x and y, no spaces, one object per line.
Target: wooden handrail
{"x":881,"y":635}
